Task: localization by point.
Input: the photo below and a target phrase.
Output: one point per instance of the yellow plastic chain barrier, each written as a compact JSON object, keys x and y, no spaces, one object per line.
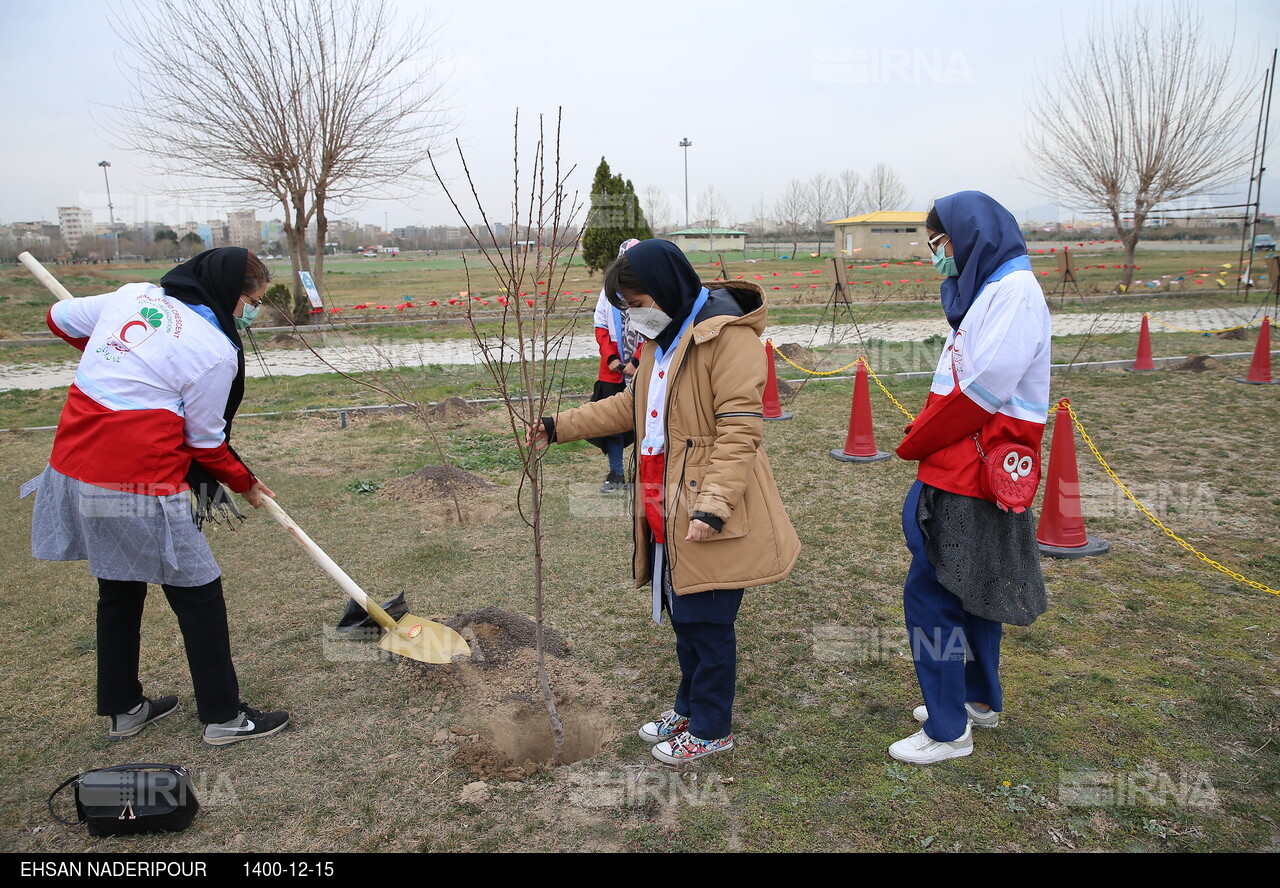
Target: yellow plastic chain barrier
{"x":812,"y":372}
{"x":1084,"y":436}
{"x":861,"y":359}
{"x":888,"y":394}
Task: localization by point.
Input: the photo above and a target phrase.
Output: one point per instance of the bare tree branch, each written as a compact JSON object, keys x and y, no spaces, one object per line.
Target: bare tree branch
{"x":296,"y":103}
{"x":1144,"y":112}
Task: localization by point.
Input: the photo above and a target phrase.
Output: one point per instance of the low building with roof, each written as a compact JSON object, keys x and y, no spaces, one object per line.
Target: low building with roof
{"x":709,"y":240}
{"x":882,"y":234}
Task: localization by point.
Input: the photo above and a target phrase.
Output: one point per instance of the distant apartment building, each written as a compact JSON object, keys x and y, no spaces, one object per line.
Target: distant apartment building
{"x":243,"y":229}
{"x":74,"y":224}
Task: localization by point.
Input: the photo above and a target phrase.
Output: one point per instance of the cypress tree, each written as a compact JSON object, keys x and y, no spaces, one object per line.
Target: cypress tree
{"x":615,"y":216}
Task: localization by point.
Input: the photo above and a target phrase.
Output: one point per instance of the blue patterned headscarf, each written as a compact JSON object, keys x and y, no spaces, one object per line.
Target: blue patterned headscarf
{"x":984,"y":239}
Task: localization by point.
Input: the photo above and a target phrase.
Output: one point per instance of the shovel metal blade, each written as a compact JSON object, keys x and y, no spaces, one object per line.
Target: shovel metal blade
{"x":423,"y":640}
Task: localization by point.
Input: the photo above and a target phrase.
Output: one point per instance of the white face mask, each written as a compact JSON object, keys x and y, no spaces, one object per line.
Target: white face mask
{"x":648,"y":322}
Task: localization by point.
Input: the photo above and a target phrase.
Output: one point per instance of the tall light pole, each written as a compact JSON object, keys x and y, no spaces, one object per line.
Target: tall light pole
{"x":111,"y":211}
{"x":685,"y":143}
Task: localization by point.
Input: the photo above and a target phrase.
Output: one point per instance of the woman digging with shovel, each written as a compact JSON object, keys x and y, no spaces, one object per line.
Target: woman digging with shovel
{"x":145,"y":421}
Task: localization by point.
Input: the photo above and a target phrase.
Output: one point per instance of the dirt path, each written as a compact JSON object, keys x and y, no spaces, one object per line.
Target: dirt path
{"x":299,"y":362}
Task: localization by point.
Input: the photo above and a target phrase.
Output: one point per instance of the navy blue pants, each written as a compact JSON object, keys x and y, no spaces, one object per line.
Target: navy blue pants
{"x":202,"y":617}
{"x":707,"y":649}
{"x":956,"y":654}
{"x":708,"y":655}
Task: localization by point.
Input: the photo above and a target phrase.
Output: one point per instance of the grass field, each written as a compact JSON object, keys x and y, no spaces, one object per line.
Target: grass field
{"x":1141,"y":711}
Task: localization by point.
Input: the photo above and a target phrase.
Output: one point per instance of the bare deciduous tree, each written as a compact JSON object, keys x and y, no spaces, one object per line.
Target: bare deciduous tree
{"x":760,"y":220}
{"x":301,"y":103}
{"x":884,"y":190}
{"x":822,"y":200}
{"x":792,"y":209}
{"x":1144,"y":112}
{"x":849,"y":193}
{"x":712,"y":207}
{"x":527,"y":357}
{"x":656,"y":207}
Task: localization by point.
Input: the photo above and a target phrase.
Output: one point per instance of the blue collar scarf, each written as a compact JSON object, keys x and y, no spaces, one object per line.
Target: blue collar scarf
{"x":659,"y":351}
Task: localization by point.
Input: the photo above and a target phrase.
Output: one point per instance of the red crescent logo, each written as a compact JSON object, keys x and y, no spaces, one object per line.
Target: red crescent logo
{"x":124,"y":331}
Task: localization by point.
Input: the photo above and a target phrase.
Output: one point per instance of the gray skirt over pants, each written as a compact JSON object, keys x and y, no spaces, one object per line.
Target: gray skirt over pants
{"x":123,"y":536}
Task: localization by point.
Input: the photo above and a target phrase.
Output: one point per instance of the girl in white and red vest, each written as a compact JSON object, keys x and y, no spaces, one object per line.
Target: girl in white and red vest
{"x":974,"y":560}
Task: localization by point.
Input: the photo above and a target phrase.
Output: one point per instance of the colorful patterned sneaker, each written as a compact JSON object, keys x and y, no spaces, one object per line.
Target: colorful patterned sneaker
{"x":921,"y":749}
{"x":685,"y":747}
{"x":248,"y":724}
{"x":982,"y":718}
{"x":664,"y":727}
{"x":127,"y":724}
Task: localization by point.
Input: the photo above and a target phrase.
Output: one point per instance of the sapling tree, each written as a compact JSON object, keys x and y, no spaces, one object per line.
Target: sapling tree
{"x":526,"y":353}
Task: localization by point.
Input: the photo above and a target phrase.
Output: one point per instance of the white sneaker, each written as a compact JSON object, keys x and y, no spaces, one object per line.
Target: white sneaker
{"x":664,"y":727}
{"x":921,"y":749}
{"x":988,"y":719}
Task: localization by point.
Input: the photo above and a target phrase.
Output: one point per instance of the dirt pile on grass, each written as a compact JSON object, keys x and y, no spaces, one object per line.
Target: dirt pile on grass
{"x":505,"y":731}
{"x":453,"y":410}
{"x":1238,"y":333}
{"x":432,"y":483}
{"x":1198,"y":364}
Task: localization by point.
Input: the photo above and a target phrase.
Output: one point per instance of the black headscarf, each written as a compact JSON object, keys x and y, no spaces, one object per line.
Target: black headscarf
{"x":214,"y":279}
{"x":669,"y":279}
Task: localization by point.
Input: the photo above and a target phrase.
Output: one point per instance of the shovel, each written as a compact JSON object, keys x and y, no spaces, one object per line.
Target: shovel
{"x":413,"y":637}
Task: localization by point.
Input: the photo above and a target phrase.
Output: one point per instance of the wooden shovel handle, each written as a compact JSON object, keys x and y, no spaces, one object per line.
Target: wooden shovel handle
{"x":330,"y":567}
{"x":44,"y":276}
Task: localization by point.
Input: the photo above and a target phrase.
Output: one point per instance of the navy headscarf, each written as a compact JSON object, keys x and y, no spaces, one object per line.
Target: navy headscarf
{"x":984,"y":236}
{"x":214,"y":279}
{"x":669,"y":279}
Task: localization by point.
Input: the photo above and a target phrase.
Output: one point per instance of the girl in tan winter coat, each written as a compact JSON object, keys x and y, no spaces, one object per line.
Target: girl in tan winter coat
{"x":708,"y":521}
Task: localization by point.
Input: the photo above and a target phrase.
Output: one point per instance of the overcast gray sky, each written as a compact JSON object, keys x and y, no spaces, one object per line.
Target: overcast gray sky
{"x":766,"y":91}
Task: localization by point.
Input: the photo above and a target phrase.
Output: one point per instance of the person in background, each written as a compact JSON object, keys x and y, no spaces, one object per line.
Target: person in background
{"x":619,"y":357}
{"x":709,"y":521}
{"x":146,"y":420}
{"x":974,"y":560}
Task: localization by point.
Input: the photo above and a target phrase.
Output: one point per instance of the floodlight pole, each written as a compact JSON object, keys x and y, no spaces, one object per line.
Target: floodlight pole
{"x":111,"y":212}
{"x":685,"y":143}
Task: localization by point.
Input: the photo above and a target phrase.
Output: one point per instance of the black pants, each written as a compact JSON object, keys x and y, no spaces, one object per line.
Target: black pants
{"x":202,"y":616}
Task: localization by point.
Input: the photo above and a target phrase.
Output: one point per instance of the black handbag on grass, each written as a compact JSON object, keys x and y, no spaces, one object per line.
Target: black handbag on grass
{"x":136,"y":798}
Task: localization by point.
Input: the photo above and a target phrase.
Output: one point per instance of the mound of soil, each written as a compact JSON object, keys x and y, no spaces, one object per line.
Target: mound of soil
{"x":495,"y":635}
{"x":1232,"y":334}
{"x":1198,"y":364}
{"x":453,"y":410}
{"x":797,"y":353}
{"x":431,"y":483}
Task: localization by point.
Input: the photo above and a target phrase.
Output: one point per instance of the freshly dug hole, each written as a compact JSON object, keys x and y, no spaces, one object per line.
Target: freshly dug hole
{"x":504,"y":730}
{"x":516,"y":739}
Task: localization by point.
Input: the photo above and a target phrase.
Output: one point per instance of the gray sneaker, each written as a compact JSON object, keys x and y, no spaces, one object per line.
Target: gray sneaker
{"x":983,"y":719}
{"x":127,"y":724}
{"x":248,"y":724}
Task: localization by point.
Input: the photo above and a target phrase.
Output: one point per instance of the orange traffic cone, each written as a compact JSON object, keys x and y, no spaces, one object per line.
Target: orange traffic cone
{"x":1260,"y":369}
{"x":1060,"y":533}
{"x":772,"y":409}
{"x":1143,"y":361}
{"x":860,"y":445}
